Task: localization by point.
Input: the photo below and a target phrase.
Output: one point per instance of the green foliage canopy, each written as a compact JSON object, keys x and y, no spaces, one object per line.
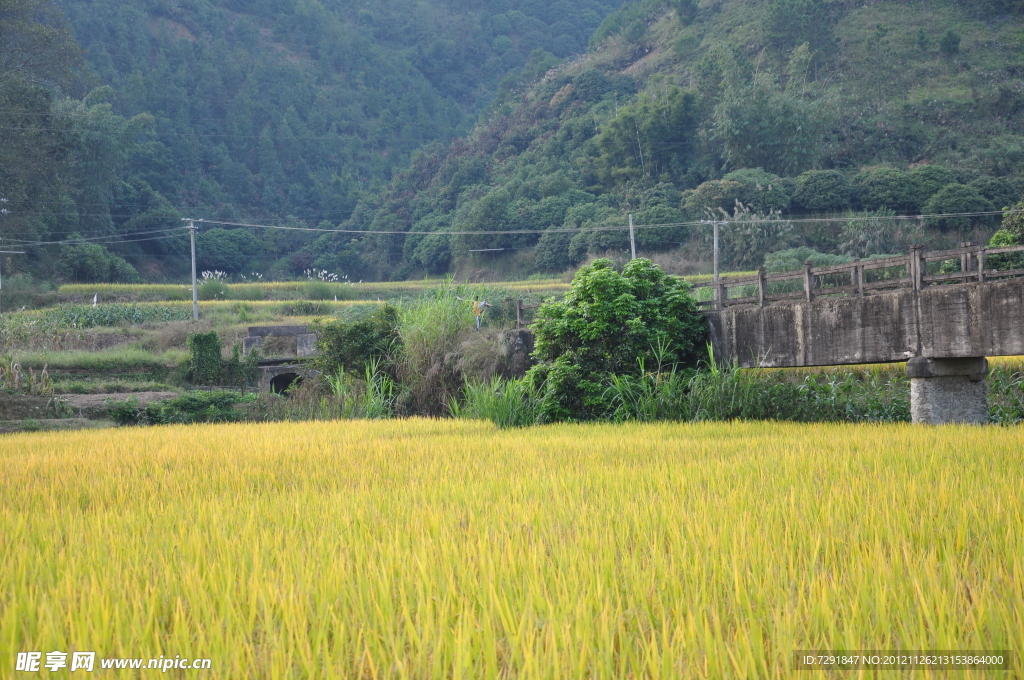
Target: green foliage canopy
{"x":611,"y":323}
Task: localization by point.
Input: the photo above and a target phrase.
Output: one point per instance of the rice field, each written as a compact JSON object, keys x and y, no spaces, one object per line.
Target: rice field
{"x":450,"y":549}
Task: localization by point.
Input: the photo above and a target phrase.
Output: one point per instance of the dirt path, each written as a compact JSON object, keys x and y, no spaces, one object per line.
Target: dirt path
{"x":90,"y":402}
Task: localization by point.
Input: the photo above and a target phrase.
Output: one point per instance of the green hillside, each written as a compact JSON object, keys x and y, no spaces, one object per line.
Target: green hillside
{"x":803,"y":107}
{"x":273,"y":110}
{"x":348,"y":115}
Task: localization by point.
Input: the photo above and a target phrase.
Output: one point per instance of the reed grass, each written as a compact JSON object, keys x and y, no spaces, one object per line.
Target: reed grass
{"x":449,"y":549}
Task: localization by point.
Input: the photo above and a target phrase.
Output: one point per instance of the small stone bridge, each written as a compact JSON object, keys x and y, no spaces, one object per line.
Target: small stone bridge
{"x":277,"y":374}
{"x":943,"y":312}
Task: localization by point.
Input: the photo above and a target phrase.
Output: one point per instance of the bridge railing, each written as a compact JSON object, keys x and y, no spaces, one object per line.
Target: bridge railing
{"x":919,"y":269}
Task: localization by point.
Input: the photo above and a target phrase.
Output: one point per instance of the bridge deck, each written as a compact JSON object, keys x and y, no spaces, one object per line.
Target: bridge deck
{"x":872,"y":311}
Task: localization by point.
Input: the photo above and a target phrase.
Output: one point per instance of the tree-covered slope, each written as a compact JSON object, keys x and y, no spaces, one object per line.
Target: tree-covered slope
{"x":793,"y":107}
{"x":270,"y":110}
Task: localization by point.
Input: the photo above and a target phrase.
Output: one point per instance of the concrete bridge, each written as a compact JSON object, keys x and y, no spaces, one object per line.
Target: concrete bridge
{"x":283,"y":368}
{"x":943,"y":312}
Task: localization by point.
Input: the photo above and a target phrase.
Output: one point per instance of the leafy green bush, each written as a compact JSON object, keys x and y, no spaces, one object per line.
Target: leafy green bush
{"x":1003,"y":261}
{"x":928,"y":179}
{"x":552,"y":252}
{"x":883,"y":187}
{"x":1013,"y":222}
{"x":957,"y":198}
{"x":350,"y":347}
{"x":198,"y":407}
{"x":127,"y":412}
{"x":204,"y":362}
{"x":822,"y":191}
{"x":610,"y":323}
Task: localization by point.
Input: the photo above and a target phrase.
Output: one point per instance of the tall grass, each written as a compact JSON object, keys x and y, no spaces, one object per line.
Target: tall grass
{"x":450,"y":549}
{"x":507,"y":403}
{"x":432,"y":329}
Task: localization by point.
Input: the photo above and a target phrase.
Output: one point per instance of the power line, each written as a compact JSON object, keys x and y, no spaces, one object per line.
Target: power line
{"x":556,"y":230}
{"x":109,"y":240}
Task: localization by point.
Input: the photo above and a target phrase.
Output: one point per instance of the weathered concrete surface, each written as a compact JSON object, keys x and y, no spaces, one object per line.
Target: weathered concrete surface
{"x":276,"y":331}
{"x":960,"y":320}
{"x":305,"y":342}
{"x":948,"y":390}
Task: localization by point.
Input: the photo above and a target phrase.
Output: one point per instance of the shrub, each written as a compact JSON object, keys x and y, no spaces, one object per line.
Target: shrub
{"x":928,"y":179}
{"x":1013,"y":222}
{"x":1004,"y":261}
{"x":957,"y":198}
{"x":879,"y":233}
{"x":610,"y":323}
{"x":822,"y":191}
{"x":883,"y":187}
{"x":350,"y":347}
{"x":204,"y":362}
{"x":198,"y":407}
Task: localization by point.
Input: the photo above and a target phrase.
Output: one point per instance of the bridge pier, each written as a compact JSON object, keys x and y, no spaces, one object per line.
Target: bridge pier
{"x":948,"y":390}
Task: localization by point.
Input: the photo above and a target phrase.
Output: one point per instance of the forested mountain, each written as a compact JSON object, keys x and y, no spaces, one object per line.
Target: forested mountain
{"x":342,"y":115}
{"x":792,"y":107}
{"x":271,"y":110}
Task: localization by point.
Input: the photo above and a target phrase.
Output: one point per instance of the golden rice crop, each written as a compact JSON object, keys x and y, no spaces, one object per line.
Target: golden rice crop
{"x":450,"y":549}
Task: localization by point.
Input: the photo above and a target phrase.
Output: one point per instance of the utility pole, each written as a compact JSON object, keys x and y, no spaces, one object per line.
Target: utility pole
{"x":7,"y":252}
{"x":718,"y":288}
{"x":632,"y":240}
{"x":195,"y":292}
{"x":716,"y":224}
{"x":4,"y":212}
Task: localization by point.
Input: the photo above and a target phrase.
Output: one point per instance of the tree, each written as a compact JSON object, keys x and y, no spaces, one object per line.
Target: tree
{"x":1013,"y":222}
{"x":1002,"y":192}
{"x":928,"y":179}
{"x":36,"y":46}
{"x":651,"y":138}
{"x":950,"y":43}
{"x":763,"y":192}
{"x":882,"y":187}
{"x":611,"y":323}
{"x":761,"y":126}
{"x":953,"y":199}
{"x":230,"y":249}
{"x":822,"y":191}
{"x":83,"y":262}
